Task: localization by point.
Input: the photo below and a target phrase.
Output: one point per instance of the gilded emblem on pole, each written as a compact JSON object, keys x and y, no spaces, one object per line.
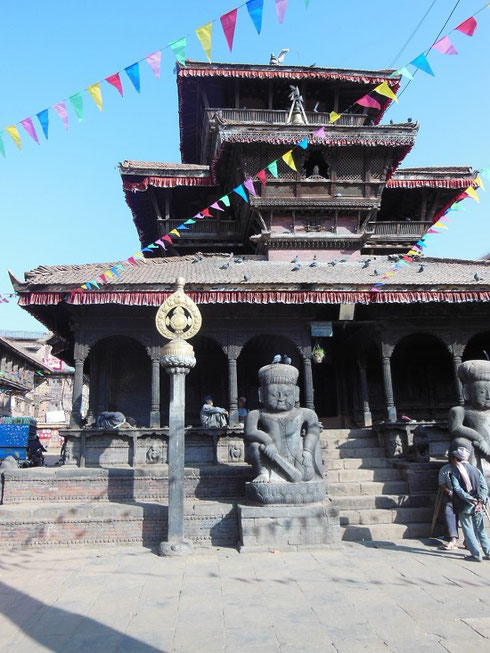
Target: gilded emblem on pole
{"x":178,"y":317}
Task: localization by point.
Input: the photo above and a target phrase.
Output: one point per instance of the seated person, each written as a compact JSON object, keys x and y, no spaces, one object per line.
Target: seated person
{"x":109,"y":420}
{"x":242,"y":411}
{"x":212,"y":417}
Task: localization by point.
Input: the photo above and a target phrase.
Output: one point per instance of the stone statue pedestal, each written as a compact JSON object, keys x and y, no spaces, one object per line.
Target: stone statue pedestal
{"x":270,"y":527}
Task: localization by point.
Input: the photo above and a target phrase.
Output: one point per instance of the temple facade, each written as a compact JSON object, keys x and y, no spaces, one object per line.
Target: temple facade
{"x":290,"y":271}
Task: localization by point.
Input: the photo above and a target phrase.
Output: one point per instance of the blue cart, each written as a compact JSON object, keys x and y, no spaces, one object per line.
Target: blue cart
{"x":15,"y":433}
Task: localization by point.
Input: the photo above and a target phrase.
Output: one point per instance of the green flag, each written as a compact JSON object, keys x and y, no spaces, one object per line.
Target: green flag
{"x":225,"y":199}
{"x":178,"y":48}
{"x":77,"y":103}
{"x":272,"y":168}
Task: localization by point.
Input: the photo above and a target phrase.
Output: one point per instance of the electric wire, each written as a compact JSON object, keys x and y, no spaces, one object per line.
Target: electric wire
{"x":397,"y":56}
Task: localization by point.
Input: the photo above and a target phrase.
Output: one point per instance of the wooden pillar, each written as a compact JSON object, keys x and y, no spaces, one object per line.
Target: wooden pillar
{"x":76,"y":404}
{"x":309,"y":390}
{"x":388,"y":387}
{"x":155,"y":390}
{"x":459,"y":385}
{"x":366,"y":409}
{"x":233,"y":391}
{"x":93,"y":385}
{"x":102,"y":384}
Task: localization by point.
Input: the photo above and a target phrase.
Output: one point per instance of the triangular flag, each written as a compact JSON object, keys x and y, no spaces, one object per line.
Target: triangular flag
{"x":249,"y":185}
{"x":479,"y":182}
{"x":433,"y":231}
{"x":93,"y":282}
{"x":182,"y":227}
{"x":168,"y":239}
{"x":115,"y":81}
{"x":153,"y":246}
{"x":467,"y":27}
{"x":205,"y":212}
{"x":239,"y":191}
{"x":114,"y":270}
{"x":472,"y":193}
{"x":216,"y":206}
{"x":281,"y":9}
{"x":161,"y":243}
{"x":205,"y":35}
{"x":445,"y":46}
{"x":485,"y":172}
{"x":421,"y":243}
{"x":154,"y":61}
{"x":141,"y":257}
{"x":457,"y":206}
{"x":422,"y":63}
{"x":96,"y":94}
{"x":190,"y":221}
{"x":120,"y":266}
{"x":262,"y":176}
{"x":228,"y":23}
{"x":178,"y":48}
{"x":43,"y":117}
{"x":384,"y":89}
{"x":307,"y":2}
{"x":272,"y":168}
{"x":440,"y":225}
{"x":320,"y":133}
{"x":174,"y":231}
{"x":225,"y":199}
{"x":333,"y":116}
{"x":85,"y":286}
{"x":77,"y":103}
{"x":404,"y":72}
{"x":407,"y":258}
{"x":288,"y":158}
{"x":255,"y":8}
{"x":2,"y":146}
{"x":103,"y":278}
{"x":303,"y":144}
{"x":368,"y":101}
{"x":30,"y":129}
{"x":133,"y":72}
{"x":146,"y":249}
{"x":60,"y":108}
{"x":132,"y":261}
{"x":13,"y":132}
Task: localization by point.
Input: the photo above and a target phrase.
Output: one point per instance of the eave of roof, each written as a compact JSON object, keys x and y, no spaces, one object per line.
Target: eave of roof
{"x":31,"y":360}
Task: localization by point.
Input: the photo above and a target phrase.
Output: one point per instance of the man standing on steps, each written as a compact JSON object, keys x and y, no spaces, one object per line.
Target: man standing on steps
{"x":450,"y":517}
{"x":470,"y":494}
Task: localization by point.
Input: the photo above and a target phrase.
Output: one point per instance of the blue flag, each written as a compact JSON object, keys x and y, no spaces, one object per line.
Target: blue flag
{"x":303,"y":143}
{"x":239,"y":190}
{"x":133,"y":72}
{"x":181,"y":227}
{"x":43,"y":117}
{"x":422,"y":63}
{"x":255,"y":8}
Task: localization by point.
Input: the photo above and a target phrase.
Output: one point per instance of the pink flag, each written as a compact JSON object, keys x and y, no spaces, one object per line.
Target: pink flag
{"x":206,"y":213}
{"x":433,"y":231}
{"x":249,"y":185}
{"x":467,"y":27}
{"x":281,"y":9}
{"x":168,"y":239}
{"x":216,"y":206}
{"x":228,"y":22}
{"x":154,"y":60}
{"x":262,"y":176}
{"x":30,"y":129}
{"x":445,"y":46}
{"x":60,"y":109}
{"x":115,"y":81}
{"x":368,"y":101}
{"x":320,"y":133}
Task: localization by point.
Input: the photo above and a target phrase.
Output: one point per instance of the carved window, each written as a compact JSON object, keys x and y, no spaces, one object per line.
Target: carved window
{"x":315,"y":165}
{"x":350,"y":163}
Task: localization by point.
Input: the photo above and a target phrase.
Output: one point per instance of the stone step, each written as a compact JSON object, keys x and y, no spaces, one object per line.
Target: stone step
{"x":355,"y":463}
{"x":368,"y":487}
{"x":364,"y":452}
{"x":385,"y":516}
{"x":384,"y":532}
{"x":384,"y":501}
{"x":352,"y":475}
{"x":351,"y":443}
{"x":345,"y":434}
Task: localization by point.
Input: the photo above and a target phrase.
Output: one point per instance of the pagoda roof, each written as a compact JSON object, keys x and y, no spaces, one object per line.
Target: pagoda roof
{"x":432,"y":177}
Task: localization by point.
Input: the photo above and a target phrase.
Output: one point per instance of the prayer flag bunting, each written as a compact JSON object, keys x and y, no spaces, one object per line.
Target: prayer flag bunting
{"x":255,"y":9}
{"x":161,"y":243}
{"x":445,"y":46}
{"x":440,"y":225}
{"x":77,"y":103}
{"x":205,"y":212}
{"x":190,"y":221}
{"x":249,"y":185}
{"x":239,"y":191}
{"x":262,"y":176}
{"x":174,"y":231}
{"x":272,"y":168}
{"x":178,"y":48}
{"x":422,"y":63}
{"x":140,"y":256}
{"x":30,"y":129}
{"x":153,"y":246}
{"x":320,"y":133}
{"x":132,"y":261}
{"x":216,"y":206}
{"x":472,"y":193}
{"x":456,"y":207}
{"x":43,"y":117}
{"x":205,"y":35}
{"x":182,"y":227}
{"x":147,"y":249}
{"x":133,"y":72}
{"x":168,"y":239}
{"x":228,"y":23}
{"x":96,"y":94}
{"x":303,"y":144}
{"x":225,"y":199}
{"x":288,"y":158}
{"x":485,"y":172}
{"x":433,"y":231}
{"x":281,"y":9}
{"x":60,"y":108}
{"x":467,"y":27}
{"x":479,"y":182}
{"x":333,"y":116}
{"x":115,"y":81}
{"x":2,"y":146}
{"x":404,"y":72}
{"x":368,"y":101}
{"x":13,"y":132}
{"x":384,"y":89}
{"x":120,"y":266}
{"x":114,"y":271}
{"x":154,"y":61}
{"x":93,"y":282}
{"x":103,"y":278}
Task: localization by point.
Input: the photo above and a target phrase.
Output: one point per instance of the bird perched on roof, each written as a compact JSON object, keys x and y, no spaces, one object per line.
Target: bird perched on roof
{"x":280,"y":57}
{"x":333,"y":263}
{"x":277,"y":359}
{"x":196,"y":259}
{"x":343,"y":260}
{"x":246,"y":277}
{"x":286,"y":360}
{"x":366,"y":263}
{"x":295,"y":259}
{"x":296,"y":267}
{"x":225,"y":266}
{"x":421,"y":268}
{"x":391,"y":122}
{"x":238,"y":260}
{"x":314,"y":264}
{"x":376,"y":272}
{"x":477,"y":277}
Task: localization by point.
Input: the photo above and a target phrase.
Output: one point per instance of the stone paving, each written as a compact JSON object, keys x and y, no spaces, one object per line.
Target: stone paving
{"x":402,"y":596}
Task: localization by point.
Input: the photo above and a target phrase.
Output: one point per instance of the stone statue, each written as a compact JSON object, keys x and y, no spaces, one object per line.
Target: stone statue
{"x":283,"y":442}
{"x":469,"y":425}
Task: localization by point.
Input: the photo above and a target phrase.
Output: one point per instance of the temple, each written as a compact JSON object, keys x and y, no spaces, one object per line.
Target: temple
{"x":289,"y":272}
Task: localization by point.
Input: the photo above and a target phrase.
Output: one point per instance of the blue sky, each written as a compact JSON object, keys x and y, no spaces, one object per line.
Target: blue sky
{"x":62,"y":201}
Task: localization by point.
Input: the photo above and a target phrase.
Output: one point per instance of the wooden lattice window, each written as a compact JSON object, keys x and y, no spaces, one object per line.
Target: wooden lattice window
{"x":350,"y":163}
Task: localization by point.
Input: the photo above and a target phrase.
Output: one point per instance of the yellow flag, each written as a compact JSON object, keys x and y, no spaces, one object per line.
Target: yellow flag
{"x":96,"y":94}
{"x":440,"y":225}
{"x":108,"y":274}
{"x":479,"y":181}
{"x":384,"y":89}
{"x":174,"y":231}
{"x":12,"y":130}
{"x":141,"y":257}
{"x":204,"y":34}
{"x":334,"y":116}
{"x":472,"y":193}
{"x":288,"y":158}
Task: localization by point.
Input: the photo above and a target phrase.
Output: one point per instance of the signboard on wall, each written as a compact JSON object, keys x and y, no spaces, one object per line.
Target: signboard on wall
{"x":321,"y":329}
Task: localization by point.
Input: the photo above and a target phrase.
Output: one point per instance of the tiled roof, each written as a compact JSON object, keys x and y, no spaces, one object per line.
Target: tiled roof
{"x":153,"y":167}
{"x":209,"y":272}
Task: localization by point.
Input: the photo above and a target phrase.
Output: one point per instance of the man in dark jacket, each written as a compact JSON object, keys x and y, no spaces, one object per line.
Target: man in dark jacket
{"x":470,"y":493}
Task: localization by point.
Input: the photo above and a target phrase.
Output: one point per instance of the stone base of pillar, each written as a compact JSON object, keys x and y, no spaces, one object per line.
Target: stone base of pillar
{"x":368,"y":419}
{"x":173,"y":549}
{"x":155,"y":419}
{"x":392,"y":414}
